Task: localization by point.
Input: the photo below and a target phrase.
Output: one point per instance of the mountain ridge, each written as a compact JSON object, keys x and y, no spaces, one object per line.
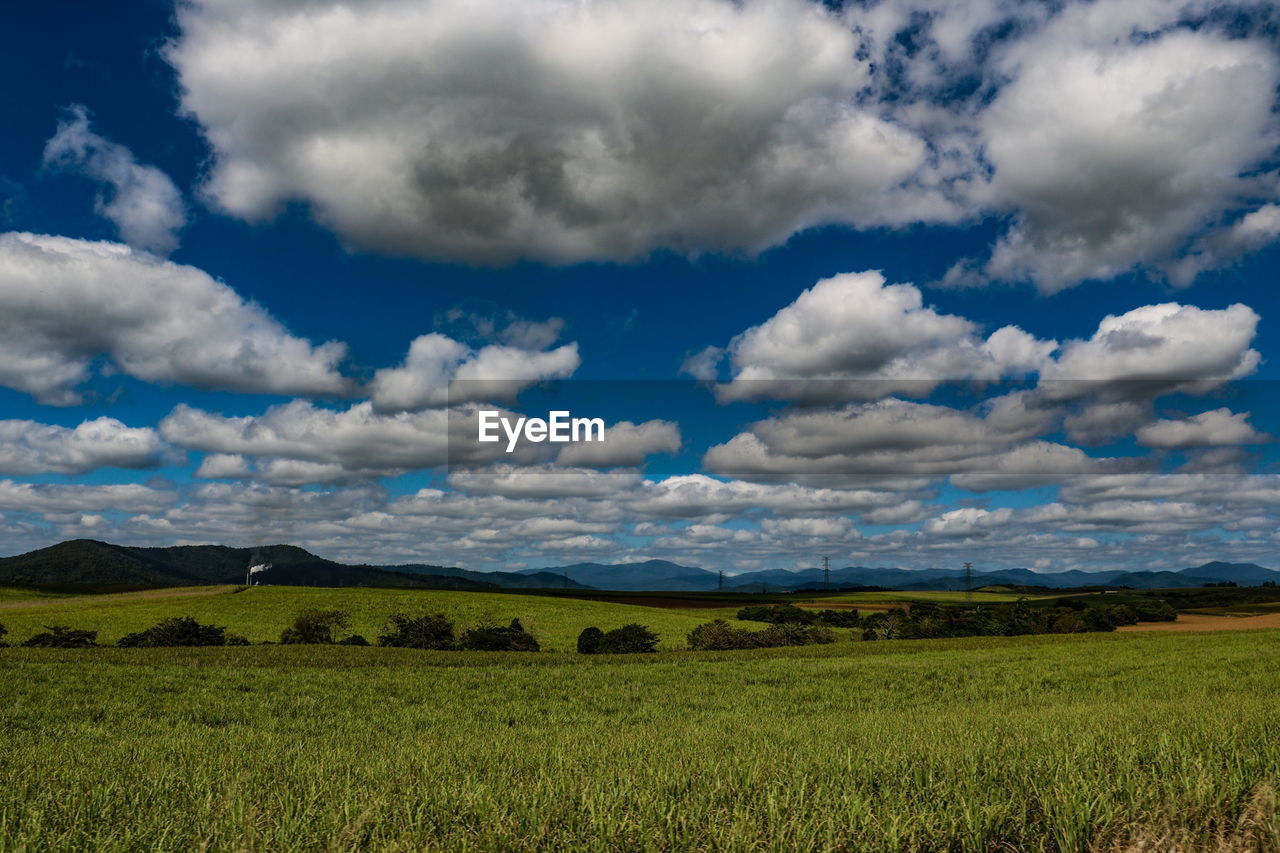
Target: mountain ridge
{"x":90,"y":562}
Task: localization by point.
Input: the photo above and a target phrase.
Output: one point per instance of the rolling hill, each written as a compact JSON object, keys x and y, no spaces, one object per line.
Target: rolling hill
{"x":89,"y":562}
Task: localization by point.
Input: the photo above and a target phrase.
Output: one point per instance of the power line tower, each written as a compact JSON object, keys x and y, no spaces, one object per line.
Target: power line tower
{"x":968,"y":582}
{"x":826,"y":571}
{"x":720,"y":582}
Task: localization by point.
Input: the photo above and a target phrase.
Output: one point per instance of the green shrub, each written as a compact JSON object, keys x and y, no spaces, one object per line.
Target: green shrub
{"x":589,"y":640}
{"x":353,"y":640}
{"x":178,"y":631}
{"x":1068,"y":623}
{"x":3,"y":631}
{"x":784,"y":634}
{"x":779,"y":614}
{"x":422,"y":632}
{"x":494,"y":638}
{"x":718,"y":635}
{"x":628,"y":640}
{"x":315,"y":627}
{"x":62,"y":637}
{"x":838,"y":618}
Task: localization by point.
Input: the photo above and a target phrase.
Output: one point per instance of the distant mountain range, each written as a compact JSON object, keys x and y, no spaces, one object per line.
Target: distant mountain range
{"x":89,"y":562}
{"x":654,"y":575}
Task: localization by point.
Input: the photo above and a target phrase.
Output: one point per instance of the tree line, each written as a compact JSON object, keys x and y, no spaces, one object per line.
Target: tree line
{"x":787,"y":625}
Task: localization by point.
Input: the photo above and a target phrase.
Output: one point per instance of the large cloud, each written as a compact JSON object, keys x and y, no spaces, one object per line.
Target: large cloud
{"x":359,"y":441}
{"x":28,"y":447}
{"x":853,"y":336}
{"x":1157,"y":347}
{"x":860,"y":337}
{"x":508,"y":128}
{"x":65,"y":303}
{"x":1218,"y":427}
{"x":992,"y":448}
{"x":143,"y":203}
{"x":1116,"y":142}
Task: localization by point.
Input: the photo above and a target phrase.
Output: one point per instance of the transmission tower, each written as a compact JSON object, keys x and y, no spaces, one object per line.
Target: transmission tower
{"x":968,"y":582}
{"x":826,"y":571}
{"x":720,"y":584}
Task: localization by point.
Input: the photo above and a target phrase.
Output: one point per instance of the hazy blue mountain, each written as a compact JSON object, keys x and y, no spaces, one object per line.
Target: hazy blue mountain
{"x":665,"y":575}
{"x":1245,"y":574}
{"x":648,"y":575}
{"x":506,"y":580}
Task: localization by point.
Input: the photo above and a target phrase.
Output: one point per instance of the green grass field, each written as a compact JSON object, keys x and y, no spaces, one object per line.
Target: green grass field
{"x":1063,"y":743}
{"x":19,"y":594}
{"x":261,"y":613}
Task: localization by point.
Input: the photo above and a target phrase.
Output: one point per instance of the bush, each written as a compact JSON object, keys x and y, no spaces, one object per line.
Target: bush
{"x":785,"y":634}
{"x":820,"y":635}
{"x":779,"y":614}
{"x":423,"y":632}
{"x":719,"y":636}
{"x":178,"y":631}
{"x":628,"y":640}
{"x":353,"y":640}
{"x":1123,"y":614}
{"x":62,"y":637}
{"x":1068,"y":623}
{"x":493,"y":638}
{"x":838,"y":618}
{"x":315,"y":627}
{"x":1156,"y":611}
{"x":589,"y":640}
{"x":3,"y":631}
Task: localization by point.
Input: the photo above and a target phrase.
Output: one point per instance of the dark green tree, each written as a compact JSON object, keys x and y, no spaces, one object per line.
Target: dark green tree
{"x":316,"y":627}
{"x":62,"y":637}
{"x":421,"y":632}
{"x":589,"y":640}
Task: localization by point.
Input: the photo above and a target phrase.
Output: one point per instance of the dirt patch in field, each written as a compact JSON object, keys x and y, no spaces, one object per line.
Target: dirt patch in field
{"x":58,"y":601}
{"x":1205,"y":622}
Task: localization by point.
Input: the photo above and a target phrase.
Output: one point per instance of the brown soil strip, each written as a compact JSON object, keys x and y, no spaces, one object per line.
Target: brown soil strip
{"x":58,"y":601}
{"x":1204,"y":622}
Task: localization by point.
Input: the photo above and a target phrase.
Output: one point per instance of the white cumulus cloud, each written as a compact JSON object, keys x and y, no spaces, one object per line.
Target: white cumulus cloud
{"x":66,"y":302}
{"x":488,"y":131}
{"x":28,"y":447}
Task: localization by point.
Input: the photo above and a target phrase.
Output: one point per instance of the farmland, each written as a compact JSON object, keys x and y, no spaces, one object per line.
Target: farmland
{"x":1033,"y":743}
{"x":260,"y":613}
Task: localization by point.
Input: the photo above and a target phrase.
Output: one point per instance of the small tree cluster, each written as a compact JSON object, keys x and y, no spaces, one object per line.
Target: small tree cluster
{"x":494,"y":638}
{"x":789,"y":614}
{"x":181,"y":631}
{"x":629,"y":639}
{"x":320,"y":627}
{"x":420,"y":632}
{"x":931,"y":621}
{"x":719,"y":635}
{"x":62,"y":637}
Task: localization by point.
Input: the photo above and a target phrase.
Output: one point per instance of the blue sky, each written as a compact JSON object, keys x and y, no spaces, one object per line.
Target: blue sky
{"x":594,"y":195}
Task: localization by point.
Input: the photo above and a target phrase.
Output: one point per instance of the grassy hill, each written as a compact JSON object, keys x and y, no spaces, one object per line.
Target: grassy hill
{"x":93,"y":563}
{"x":261,"y":612}
{"x":1097,"y":742}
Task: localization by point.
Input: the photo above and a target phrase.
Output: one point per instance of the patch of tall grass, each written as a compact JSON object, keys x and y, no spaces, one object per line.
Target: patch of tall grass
{"x":1051,"y":743}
